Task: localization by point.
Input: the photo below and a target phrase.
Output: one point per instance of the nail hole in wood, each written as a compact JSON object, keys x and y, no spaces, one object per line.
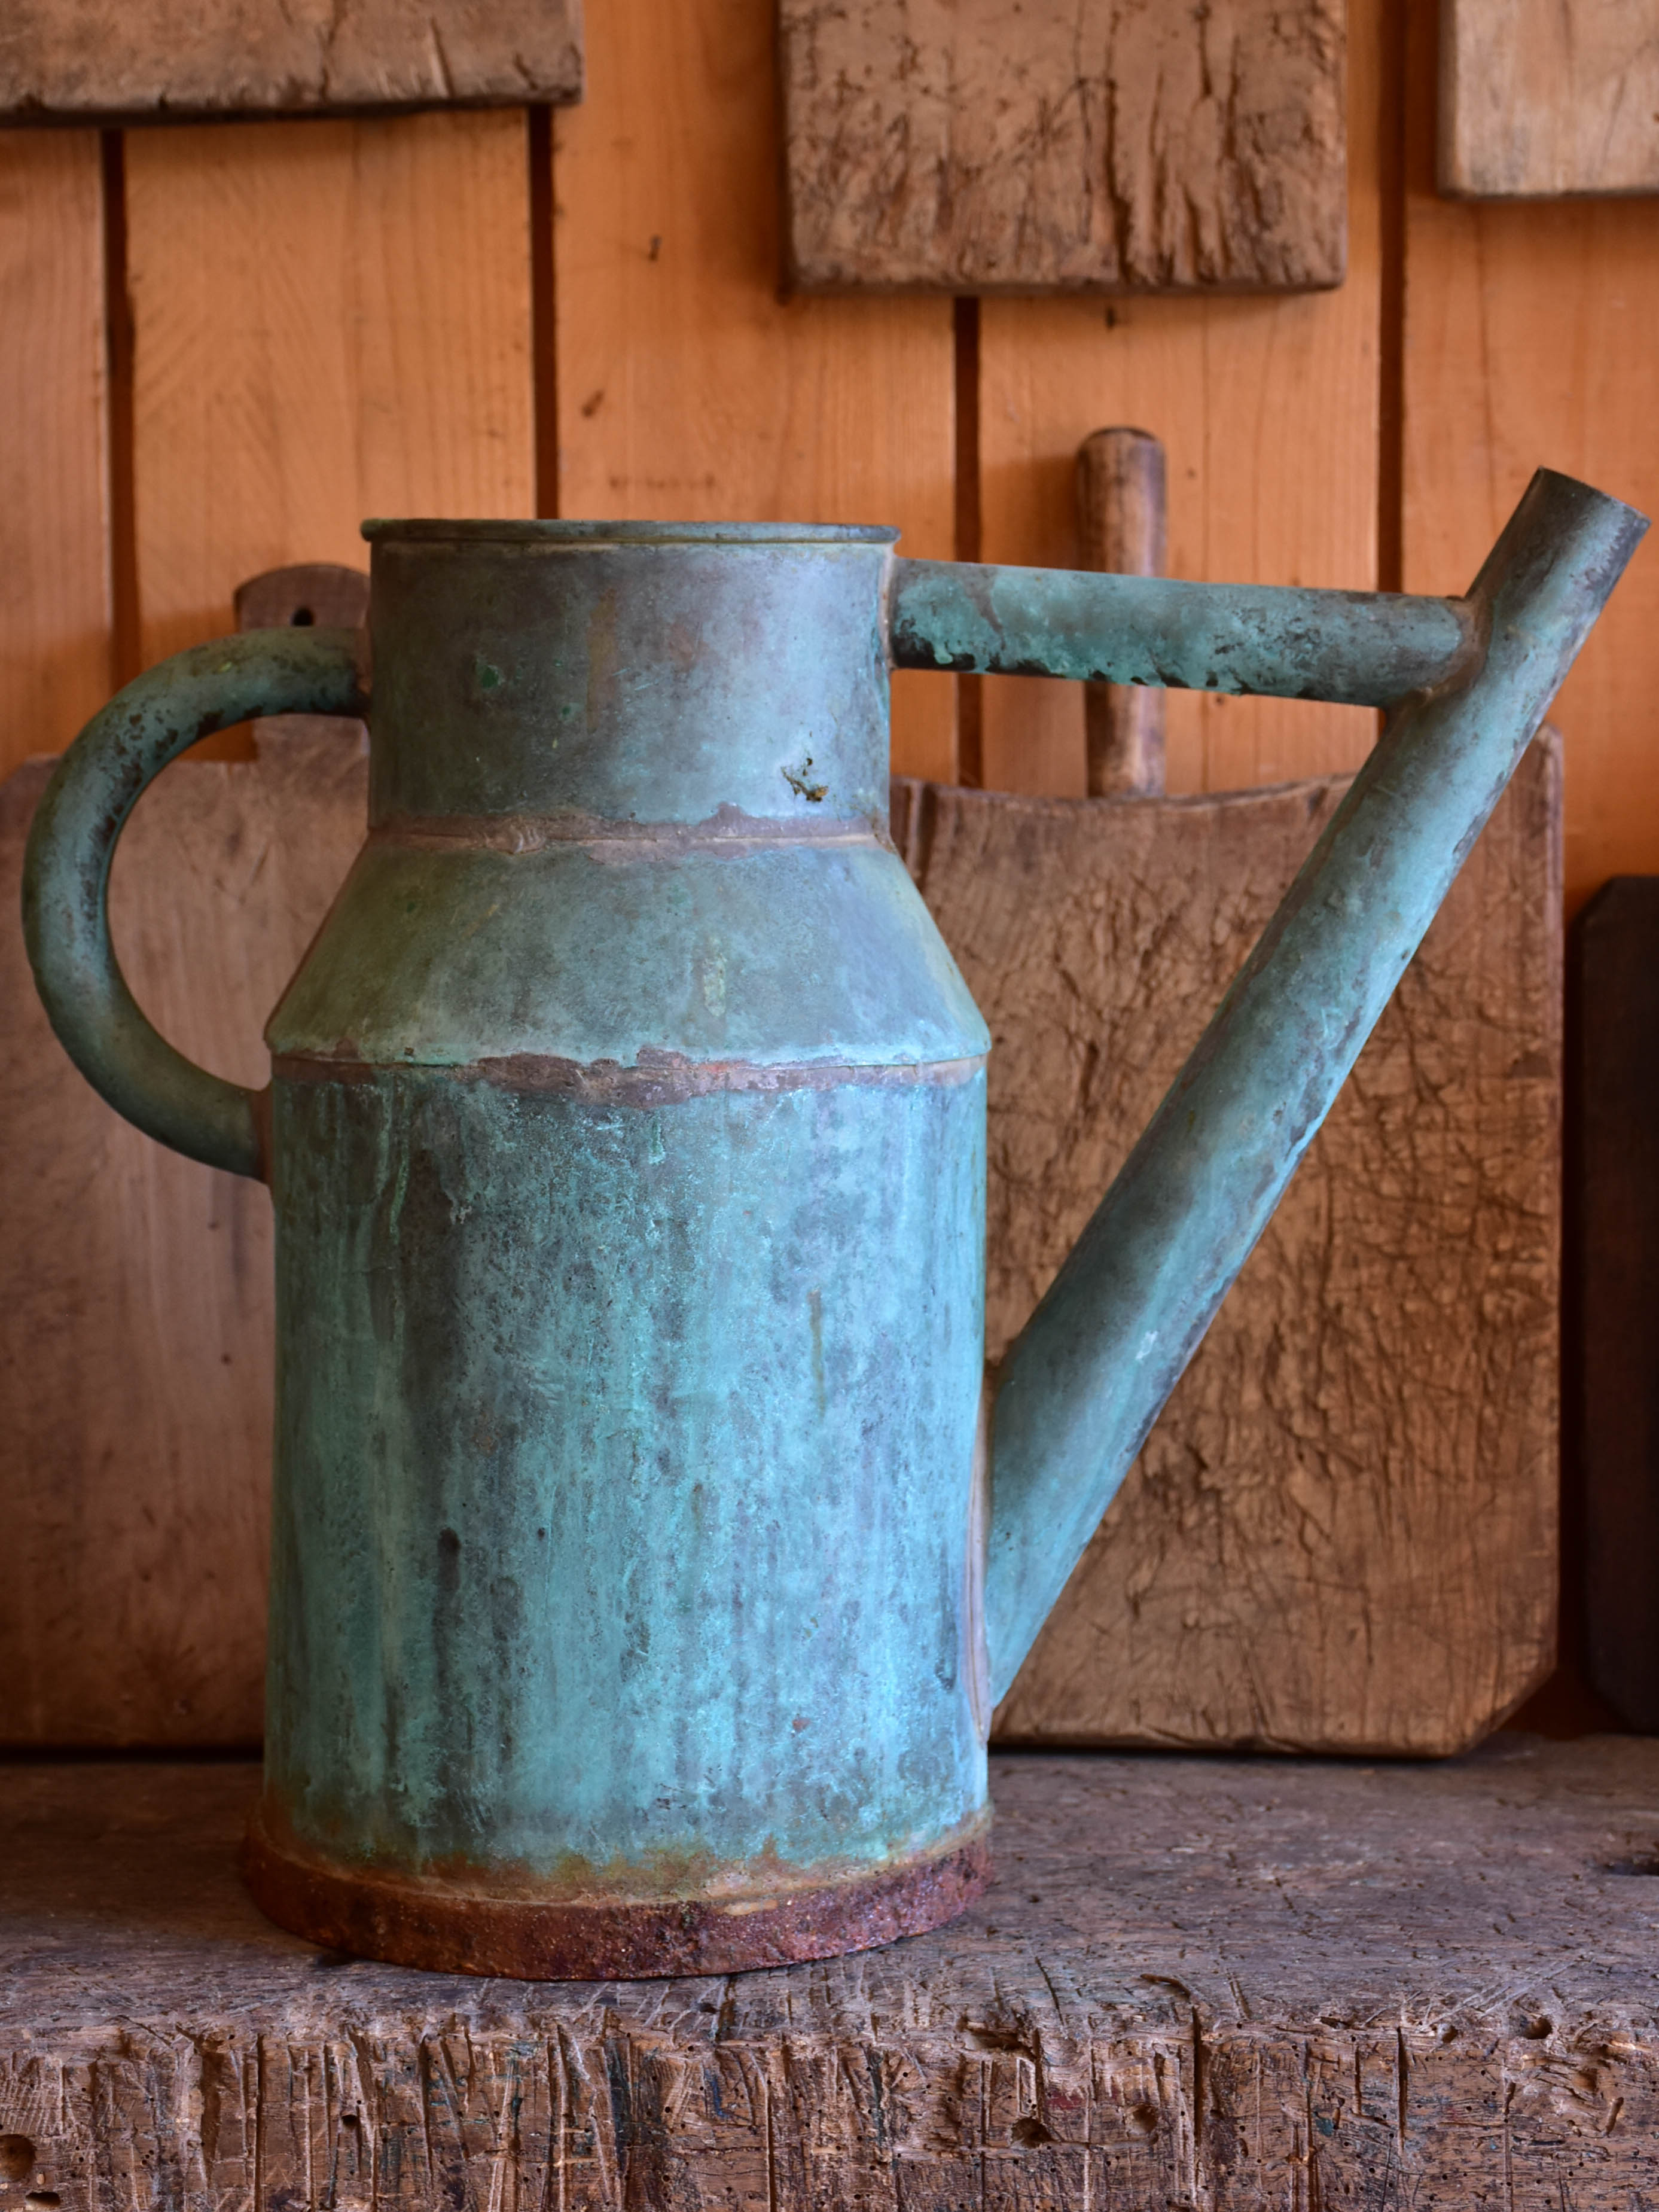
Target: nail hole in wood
{"x":17,"y":2158}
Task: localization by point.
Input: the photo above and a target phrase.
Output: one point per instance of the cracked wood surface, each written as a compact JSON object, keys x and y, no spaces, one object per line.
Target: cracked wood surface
{"x":153,"y":60}
{"x":136,"y":1366}
{"x":1097,"y":145}
{"x":1341,"y":1532}
{"x":1194,"y":1983}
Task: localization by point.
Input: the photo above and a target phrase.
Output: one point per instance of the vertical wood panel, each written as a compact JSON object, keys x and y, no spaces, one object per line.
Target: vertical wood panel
{"x":1269,"y":408}
{"x":1531,"y":335}
{"x":332,"y":320}
{"x":687,"y":389}
{"x":54,"y":551}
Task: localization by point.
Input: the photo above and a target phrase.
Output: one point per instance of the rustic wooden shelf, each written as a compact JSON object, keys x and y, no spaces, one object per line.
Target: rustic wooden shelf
{"x":1195,"y":1982}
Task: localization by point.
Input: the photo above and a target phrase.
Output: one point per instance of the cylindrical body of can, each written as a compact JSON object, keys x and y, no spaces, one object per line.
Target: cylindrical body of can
{"x":628,"y":1155}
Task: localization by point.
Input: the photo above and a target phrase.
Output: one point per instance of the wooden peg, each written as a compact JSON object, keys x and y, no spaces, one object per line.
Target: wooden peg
{"x":1120,"y":522}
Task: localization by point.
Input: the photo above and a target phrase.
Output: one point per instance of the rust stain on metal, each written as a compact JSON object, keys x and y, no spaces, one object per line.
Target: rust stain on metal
{"x":448,"y":1927}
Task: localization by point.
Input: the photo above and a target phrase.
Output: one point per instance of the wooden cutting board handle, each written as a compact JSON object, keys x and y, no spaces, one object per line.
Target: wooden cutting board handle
{"x":1122,"y":509}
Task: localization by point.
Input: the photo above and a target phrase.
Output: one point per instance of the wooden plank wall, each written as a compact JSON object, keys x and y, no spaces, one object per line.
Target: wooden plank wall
{"x":221,"y":346}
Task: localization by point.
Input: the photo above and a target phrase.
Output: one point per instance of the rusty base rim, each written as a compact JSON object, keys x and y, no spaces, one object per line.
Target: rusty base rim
{"x":409,"y":1924}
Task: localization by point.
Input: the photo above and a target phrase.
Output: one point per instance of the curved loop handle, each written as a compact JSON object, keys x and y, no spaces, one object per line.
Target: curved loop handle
{"x":72,"y":841}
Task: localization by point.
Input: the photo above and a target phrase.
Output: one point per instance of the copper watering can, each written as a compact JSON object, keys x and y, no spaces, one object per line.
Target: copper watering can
{"x":650,"y":1548}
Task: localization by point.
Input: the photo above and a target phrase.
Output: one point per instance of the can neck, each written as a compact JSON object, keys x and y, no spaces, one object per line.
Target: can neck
{"x":681,"y":680}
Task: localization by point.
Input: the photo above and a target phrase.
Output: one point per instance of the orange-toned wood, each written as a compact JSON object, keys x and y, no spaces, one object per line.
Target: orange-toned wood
{"x":1531,"y":334}
{"x":54,"y":549}
{"x":1268,"y":409}
{"x":686,"y":387}
{"x":330,"y":320}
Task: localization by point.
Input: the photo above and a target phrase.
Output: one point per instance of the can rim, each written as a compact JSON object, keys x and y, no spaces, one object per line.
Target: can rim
{"x":506,"y":531}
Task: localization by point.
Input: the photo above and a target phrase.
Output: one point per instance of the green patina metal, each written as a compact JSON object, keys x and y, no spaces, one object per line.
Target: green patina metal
{"x":647,"y":1553}
{"x":627,"y":1454}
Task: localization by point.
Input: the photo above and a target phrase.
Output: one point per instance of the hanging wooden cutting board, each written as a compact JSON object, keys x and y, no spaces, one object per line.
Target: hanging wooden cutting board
{"x":1547,"y":99}
{"x":154,"y":61}
{"x":1341,"y":1534}
{"x":1097,"y":145}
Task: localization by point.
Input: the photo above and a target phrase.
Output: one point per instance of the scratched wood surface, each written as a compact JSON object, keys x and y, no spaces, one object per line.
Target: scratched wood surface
{"x":1539,"y":98}
{"x":154,"y":60}
{"x":1192,"y":1984}
{"x":1105,"y":146}
{"x":1340,"y":1535}
{"x":686,"y":387}
{"x":135,"y":1355}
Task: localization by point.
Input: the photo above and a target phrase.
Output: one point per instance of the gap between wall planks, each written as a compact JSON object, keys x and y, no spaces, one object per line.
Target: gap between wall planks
{"x":54,"y":557}
{"x":1269,"y":412}
{"x":1531,"y":332}
{"x":686,"y":386}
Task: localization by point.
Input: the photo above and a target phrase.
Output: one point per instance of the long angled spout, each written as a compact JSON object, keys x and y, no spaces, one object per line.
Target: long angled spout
{"x":1082,"y":1385}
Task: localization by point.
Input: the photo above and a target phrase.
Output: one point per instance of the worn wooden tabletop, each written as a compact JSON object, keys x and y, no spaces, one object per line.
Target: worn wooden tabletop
{"x":1196,"y":1983}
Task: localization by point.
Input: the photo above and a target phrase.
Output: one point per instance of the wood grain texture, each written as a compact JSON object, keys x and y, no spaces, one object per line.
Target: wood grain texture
{"x":1341,"y":1533}
{"x":1614,"y":1269}
{"x":154,"y":60}
{"x":54,"y":537}
{"x":332,"y":320}
{"x":135,"y":1361}
{"x":687,"y":389}
{"x":1267,"y":410}
{"x":1196,"y":1983}
{"x":1541,"y":98}
{"x":1101,"y":145}
{"x":1529,"y":336}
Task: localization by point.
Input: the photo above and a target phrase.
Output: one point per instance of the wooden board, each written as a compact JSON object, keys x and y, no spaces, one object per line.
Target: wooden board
{"x":1529,"y":336}
{"x":1194,"y":1983}
{"x":54,"y":545}
{"x":1614,"y":1269}
{"x":1341,"y":1536}
{"x":136,"y":1363}
{"x":1539,"y":98}
{"x":1103,"y":147}
{"x":330,"y":320}
{"x":1360,"y":1461}
{"x":156,"y":60}
{"x":686,"y":388}
{"x":1268,"y":411}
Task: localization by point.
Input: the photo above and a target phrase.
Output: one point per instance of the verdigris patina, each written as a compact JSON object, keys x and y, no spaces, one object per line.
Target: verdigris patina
{"x":648,"y":1548}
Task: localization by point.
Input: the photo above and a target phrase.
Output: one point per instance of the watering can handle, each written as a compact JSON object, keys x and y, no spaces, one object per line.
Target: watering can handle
{"x":72,"y":841}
